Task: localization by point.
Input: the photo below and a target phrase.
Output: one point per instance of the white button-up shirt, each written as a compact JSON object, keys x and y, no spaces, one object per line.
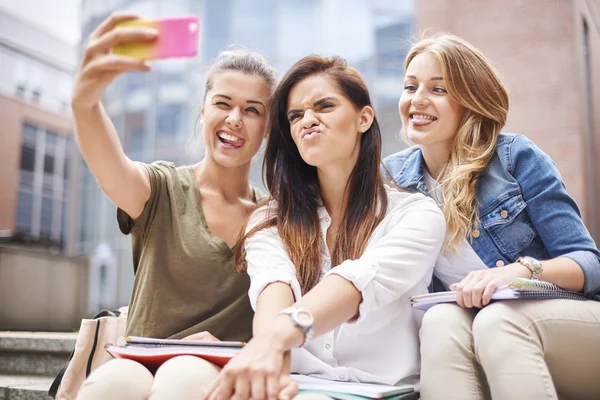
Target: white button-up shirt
{"x":382,"y":345}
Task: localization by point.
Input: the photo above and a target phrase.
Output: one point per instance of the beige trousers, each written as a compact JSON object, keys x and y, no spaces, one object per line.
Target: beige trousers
{"x":184,"y":377}
{"x":180,"y":378}
{"x":517,"y":349}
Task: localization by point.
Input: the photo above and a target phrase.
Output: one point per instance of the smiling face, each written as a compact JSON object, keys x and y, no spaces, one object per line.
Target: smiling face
{"x":235,"y":117}
{"x":324,"y":123}
{"x":429,"y":115}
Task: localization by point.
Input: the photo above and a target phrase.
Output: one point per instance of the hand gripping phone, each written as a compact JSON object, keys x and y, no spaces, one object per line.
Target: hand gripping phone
{"x":177,"y":37}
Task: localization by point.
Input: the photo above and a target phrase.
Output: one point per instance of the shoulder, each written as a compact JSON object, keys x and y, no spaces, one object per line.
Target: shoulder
{"x":261,"y":214}
{"x":401,"y":202}
{"x":517,"y":151}
{"x":395,"y":162}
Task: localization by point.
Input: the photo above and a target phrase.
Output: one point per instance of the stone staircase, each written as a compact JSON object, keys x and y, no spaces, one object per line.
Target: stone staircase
{"x":29,"y":361}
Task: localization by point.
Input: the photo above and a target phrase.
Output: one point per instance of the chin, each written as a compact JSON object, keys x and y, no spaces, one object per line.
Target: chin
{"x":417,"y":137}
{"x":231,"y":162}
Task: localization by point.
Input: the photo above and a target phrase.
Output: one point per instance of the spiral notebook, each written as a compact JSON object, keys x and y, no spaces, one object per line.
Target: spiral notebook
{"x":519,"y":289}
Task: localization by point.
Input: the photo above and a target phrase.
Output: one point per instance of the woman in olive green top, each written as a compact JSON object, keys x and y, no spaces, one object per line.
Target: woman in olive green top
{"x":184,"y":221}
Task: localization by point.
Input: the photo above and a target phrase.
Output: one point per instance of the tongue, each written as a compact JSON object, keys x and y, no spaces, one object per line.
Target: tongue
{"x":234,"y":143}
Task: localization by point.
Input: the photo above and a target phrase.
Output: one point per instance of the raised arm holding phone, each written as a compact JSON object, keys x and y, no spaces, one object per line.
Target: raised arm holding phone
{"x":184,"y":221}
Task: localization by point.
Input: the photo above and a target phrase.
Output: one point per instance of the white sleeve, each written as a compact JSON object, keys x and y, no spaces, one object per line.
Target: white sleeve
{"x":268,"y":260}
{"x":399,"y":259}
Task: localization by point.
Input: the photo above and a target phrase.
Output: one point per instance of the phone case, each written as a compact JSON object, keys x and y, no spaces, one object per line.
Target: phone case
{"x":177,"y":37}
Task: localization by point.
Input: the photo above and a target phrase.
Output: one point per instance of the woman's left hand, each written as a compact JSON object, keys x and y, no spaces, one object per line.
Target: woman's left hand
{"x":476,"y":289}
{"x":260,"y":371}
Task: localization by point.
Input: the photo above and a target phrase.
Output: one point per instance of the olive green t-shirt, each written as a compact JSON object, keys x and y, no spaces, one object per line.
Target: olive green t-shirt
{"x":185,"y":277}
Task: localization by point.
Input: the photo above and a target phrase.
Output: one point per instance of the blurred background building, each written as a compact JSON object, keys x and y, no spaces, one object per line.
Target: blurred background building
{"x":155,"y":113}
{"x":37,"y":276}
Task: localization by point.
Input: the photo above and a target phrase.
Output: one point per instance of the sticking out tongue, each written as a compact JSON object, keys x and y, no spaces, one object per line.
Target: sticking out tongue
{"x":233,"y":143}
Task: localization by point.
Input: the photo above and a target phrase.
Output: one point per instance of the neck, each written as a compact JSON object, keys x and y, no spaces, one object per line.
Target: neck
{"x":231,"y":182}
{"x":333,"y":180}
{"x":436,"y":157}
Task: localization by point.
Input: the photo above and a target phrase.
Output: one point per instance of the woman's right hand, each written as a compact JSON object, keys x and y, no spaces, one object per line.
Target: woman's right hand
{"x":99,"y":67}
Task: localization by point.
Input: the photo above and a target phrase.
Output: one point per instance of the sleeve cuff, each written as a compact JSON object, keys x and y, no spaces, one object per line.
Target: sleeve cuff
{"x":268,"y":276}
{"x":590,"y":264}
{"x":360,"y":274}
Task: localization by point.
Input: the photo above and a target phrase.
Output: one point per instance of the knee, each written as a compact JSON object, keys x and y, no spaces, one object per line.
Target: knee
{"x":186,"y":376}
{"x":188,"y":366}
{"x":117,"y":379}
{"x":495,"y":330}
{"x":443,"y":326}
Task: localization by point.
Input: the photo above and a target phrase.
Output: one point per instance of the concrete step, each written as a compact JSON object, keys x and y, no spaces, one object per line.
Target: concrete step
{"x":34,"y":353}
{"x":24,"y":387}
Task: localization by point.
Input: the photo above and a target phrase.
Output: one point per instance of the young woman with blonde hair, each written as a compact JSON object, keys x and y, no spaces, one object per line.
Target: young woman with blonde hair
{"x":508,"y":215}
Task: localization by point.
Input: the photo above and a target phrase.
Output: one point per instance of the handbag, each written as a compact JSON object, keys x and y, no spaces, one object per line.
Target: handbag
{"x":103,"y":328}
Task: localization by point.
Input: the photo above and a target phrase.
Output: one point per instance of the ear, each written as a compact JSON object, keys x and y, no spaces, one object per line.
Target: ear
{"x":365,"y":118}
{"x":202,"y":111}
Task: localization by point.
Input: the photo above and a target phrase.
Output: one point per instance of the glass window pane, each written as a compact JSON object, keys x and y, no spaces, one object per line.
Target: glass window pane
{"x":49,"y":164}
{"x":29,"y":134}
{"x":24,"y":209}
{"x":46,"y":220}
{"x":27,"y":158}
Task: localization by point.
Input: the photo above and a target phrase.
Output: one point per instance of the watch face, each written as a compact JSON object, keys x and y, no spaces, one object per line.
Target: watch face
{"x":304,"y":318}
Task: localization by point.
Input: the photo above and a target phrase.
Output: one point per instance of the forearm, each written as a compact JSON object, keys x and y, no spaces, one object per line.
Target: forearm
{"x":332,"y":302}
{"x":563,"y":272}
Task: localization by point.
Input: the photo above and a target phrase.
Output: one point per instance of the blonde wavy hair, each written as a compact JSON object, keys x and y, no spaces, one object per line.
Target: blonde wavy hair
{"x":472,"y":81}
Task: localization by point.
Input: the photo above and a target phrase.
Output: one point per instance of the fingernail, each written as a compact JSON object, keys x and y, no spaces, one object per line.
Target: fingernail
{"x":147,"y":64}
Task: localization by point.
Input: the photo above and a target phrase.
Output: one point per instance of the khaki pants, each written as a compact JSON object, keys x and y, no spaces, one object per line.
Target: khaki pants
{"x":181,"y":378}
{"x":544,"y":349}
{"x":184,"y":377}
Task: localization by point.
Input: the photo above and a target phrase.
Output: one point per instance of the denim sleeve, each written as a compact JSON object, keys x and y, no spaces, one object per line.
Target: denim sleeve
{"x":554,"y":213}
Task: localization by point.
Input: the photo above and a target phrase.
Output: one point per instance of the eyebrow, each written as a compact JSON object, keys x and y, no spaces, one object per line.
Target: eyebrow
{"x":435,"y":78}
{"x":315,"y":104}
{"x":247,"y":101}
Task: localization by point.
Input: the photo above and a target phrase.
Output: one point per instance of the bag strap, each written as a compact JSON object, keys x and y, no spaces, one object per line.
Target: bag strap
{"x":59,"y":377}
{"x":88,"y":369}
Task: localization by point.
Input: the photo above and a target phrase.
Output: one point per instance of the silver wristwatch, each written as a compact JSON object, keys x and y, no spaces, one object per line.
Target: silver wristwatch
{"x":303,"y":320}
{"x":534,"y":265}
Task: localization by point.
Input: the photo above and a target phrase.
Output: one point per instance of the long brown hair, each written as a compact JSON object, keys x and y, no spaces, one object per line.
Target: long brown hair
{"x":294,"y":184}
{"x":474,"y":83}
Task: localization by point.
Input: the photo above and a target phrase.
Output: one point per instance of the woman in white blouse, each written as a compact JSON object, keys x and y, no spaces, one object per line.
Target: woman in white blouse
{"x":335,"y":254}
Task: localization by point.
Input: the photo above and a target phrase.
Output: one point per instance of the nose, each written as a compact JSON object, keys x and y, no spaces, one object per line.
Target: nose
{"x":234,"y":118}
{"x":309,"y":119}
{"x":420,"y":98}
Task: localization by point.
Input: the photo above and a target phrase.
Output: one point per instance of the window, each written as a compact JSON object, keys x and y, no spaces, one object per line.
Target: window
{"x":28,"y":147}
{"x":49,"y":164}
{"x":24,"y":210}
{"x":46,"y":219}
{"x":27,"y":158}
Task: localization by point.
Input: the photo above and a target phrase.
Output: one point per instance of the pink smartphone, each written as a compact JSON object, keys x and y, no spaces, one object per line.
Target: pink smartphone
{"x":177,"y":37}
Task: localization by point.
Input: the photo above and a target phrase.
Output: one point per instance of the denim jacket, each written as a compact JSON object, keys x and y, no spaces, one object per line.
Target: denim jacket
{"x":524,"y":208}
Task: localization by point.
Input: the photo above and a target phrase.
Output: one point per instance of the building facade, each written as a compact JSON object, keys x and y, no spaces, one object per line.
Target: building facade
{"x":42,"y":287}
{"x":548,"y":54}
{"x":156,"y":113}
